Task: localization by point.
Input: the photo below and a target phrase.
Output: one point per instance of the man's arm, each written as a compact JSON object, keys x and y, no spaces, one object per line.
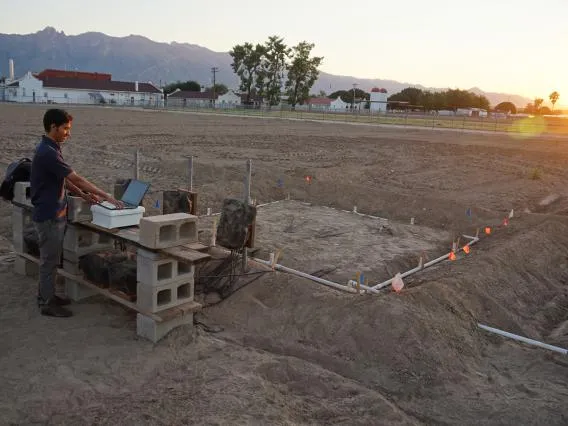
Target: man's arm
{"x":86,"y":186}
{"x":88,"y":197}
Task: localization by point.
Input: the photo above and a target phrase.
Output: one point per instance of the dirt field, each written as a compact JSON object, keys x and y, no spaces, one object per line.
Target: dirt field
{"x":292,"y":351}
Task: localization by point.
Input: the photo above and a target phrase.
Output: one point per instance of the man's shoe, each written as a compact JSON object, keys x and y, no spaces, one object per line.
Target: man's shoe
{"x":57,"y":300}
{"x":53,"y":310}
{"x":61,"y":301}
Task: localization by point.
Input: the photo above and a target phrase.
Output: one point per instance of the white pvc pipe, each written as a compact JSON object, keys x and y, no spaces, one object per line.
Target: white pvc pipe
{"x":419,"y":268}
{"x":523,"y":339}
{"x":308,"y":276}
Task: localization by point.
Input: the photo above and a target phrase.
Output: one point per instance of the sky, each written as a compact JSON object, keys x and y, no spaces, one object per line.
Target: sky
{"x":509,"y":46}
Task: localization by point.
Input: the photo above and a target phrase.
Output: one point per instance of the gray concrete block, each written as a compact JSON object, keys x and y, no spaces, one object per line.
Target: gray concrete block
{"x":156,"y":299}
{"x":155,"y":269}
{"x":78,"y":210}
{"x":154,"y":331}
{"x":21,"y":218}
{"x":72,"y":267}
{"x":22,"y":193}
{"x":77,"y":291}
{"x":168,"y":230}
{"x":26,"y":267}
{"x":82,"y":241}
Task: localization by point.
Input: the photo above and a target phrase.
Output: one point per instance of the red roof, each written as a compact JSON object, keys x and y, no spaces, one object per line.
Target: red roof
{"x":113,"y":86}
{"x":51,"y":73}
{"x":381,"y":90}
{"x":318,"y":101}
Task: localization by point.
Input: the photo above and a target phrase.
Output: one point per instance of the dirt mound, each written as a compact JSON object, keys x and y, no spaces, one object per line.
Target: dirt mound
{"x":424,"y":345}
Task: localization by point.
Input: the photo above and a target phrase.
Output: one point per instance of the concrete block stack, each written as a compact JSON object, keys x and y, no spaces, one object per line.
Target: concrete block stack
{"x":21,"y":220}
{"x":77,"y":243}
{"x":163,"y":282}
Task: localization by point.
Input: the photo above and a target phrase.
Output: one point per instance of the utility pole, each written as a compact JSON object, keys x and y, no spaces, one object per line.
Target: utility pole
{"x":353,"y":101}
{"x":214,"y":70}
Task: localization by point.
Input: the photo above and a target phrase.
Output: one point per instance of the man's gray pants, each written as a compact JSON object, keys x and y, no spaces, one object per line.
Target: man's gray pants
{"x":50,"y":240}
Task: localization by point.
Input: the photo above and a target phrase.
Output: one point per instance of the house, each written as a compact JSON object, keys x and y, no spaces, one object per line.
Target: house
{"x":228,"y":100}
{"x":203,"y":99}
{"x":315,"y":104}
{"x":188,"y":98}
{"x":339,"y":105}
{"x":471,"y":112}
{"x":378,"y":101}
{"x":73,"y":87}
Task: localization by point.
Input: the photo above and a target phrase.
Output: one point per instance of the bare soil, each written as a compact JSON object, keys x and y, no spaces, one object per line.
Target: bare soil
{"x":292,"y":351}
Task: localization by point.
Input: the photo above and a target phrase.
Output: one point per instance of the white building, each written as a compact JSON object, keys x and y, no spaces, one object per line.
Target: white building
{"x":203,"y":99}
{"x":65,"y":88}
{"x":228,"y":100}
{"x":339,"y":105}
{"x":378,"y":100}
{"x":471,"y":112}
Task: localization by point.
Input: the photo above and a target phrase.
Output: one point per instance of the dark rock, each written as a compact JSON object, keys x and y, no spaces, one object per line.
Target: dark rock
{"x":236,"y":217}
{"x":176,"y":202}
{"x":110,"y":269}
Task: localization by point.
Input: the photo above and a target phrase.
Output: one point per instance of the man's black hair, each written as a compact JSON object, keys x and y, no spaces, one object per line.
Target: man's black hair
{"x":55,"y":116}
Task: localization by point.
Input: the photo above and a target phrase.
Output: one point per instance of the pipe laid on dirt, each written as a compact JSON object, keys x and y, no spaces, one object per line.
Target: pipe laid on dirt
{"x":420,"y":267}
{"x":308,"y":276}
{"x":523,"y":339}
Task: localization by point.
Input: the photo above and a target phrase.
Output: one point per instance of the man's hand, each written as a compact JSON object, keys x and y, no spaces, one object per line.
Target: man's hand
{"x":90,"y":198}
{"x":113,"y":201}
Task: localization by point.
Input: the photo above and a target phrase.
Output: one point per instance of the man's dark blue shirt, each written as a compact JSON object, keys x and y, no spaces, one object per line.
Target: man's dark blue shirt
{"x":47,"y":182}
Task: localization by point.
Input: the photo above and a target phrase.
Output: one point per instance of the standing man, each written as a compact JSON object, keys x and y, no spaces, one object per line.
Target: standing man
{"x":49,"y":177}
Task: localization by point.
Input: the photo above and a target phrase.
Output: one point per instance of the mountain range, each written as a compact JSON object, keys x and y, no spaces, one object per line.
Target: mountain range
{"x":137,"y":58}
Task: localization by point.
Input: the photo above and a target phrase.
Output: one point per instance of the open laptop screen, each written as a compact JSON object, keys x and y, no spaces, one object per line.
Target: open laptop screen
{"x":135,"y":192}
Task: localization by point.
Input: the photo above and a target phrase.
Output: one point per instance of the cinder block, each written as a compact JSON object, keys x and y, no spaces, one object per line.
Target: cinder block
{"x":168,"y":230}
{"x":21,"y":218}
{"x":78,"y":210}
{"x":22,"y":193}
{"x":156,"y":269}
{"x":154,"y":331}
{"x":82,"y":241}
{"x":77,"y":291}
{"x":156,"y":299}
{"x":25,"y":267}
{"x":72,"y":267}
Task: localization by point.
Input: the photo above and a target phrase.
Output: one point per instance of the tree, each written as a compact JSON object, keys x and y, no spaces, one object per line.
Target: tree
{"x":192,"y":86}
{"x":507,"y":107}
{"x":272,"y":70}
{"x":246,"y":64}
{"x":554,"y":98}
{"x":537,"y":105}
{"x":545,"y":110}
{"x":449,"y":99}
{"x":412,"y":95}
{"x":302,"y":73}
{"x":347,"y":95}
{"x":220,"y":89}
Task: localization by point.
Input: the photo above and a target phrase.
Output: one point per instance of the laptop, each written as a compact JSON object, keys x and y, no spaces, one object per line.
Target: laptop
{"x":132,"y":197}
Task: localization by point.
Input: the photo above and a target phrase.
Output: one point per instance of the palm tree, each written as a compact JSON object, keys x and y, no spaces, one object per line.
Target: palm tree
{"x":537,"y":104}
{"x":554,"y":98}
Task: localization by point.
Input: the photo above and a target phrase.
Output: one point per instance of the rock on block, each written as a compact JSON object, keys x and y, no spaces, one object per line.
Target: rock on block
{"x":155,"y":299}
{"x":155,"y":269}
{"x":168,"y":230}
{"x":149,"y":329}
{"x":22,"y":193}
{"x":78,"y":210}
